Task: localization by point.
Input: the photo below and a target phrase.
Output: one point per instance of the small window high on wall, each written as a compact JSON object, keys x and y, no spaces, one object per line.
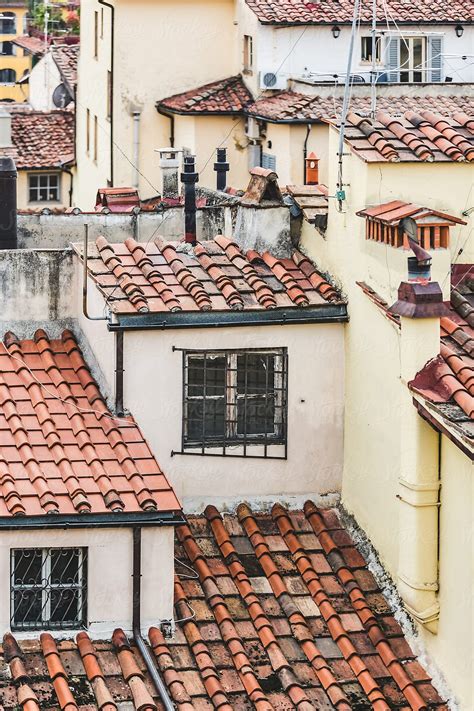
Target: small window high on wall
{"x":48,"y":588}
{"x":248,"y":54}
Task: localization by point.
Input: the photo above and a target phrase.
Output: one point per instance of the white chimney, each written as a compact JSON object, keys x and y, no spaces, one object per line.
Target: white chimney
{"x":5,"y":128}
{"x":169,"y":164}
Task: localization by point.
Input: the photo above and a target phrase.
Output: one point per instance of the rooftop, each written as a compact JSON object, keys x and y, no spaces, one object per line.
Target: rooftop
{"x":215,"y":275}
{"x":280,"y":613}
{"x":33,"y":45}
{"x":227,"y":96}
{"x":302,"y":12}
{"x":66,"y":57}
{"x":41,"y":139}
{"x":61,"y":450}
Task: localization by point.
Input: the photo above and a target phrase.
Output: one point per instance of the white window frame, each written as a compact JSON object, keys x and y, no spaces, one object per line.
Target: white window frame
{"x":378,"y":47}
{"x":411,"y":69}
{"x":38,"y":201}
{"x":248,"y":54}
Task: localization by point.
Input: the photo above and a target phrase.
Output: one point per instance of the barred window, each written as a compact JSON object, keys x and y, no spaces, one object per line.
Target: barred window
{"x":43,"y":187}
{"x":48,"y":588}
{"x":235,"y":399}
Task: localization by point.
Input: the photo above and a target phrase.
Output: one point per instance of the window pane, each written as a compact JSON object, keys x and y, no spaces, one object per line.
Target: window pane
{"x":255,"y":373}
{"x":27,"y":567}
{"x":64,"y":605}
{"x":206,"y":418}
{"x":256,"y":415}
{"x":64,"y":566}
{"x":209,"y":370}
{"x":27,"y":607}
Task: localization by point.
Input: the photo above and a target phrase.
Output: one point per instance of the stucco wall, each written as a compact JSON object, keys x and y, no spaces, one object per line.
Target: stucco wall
{"x":23,"y":202}
{"x":44,"y":79}
{"x":109,"y":598}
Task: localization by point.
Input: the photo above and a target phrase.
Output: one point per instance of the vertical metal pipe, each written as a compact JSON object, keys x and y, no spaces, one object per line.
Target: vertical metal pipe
{"x":119,"y":339}
{"x":8,"y":215}
{"x":189,"y":178}
{"x":221,"y":167}
{"x":136,"y":148}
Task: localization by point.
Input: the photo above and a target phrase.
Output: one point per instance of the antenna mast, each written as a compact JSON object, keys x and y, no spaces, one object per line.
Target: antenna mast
{"x":373,"y":73}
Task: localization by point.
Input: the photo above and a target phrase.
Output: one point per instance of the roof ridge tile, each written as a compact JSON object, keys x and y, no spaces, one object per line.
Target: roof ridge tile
{"x":295,"y":292}
{"x":187,"y":280}
{"x":223,"y":283}
{"x":167,"y":667}
{"x":145,"y":264}
{"x":113,"y":262}
{"x":263,"y":293}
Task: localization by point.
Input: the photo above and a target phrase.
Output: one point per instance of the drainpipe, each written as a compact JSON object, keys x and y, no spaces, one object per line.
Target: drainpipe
{"x":136,"y":146}
{"x":189,"y":177}
{"x":119,"y":338}
{"x":112,"y":63}
{"x":305,"y":150}
{"x":221,"y":167}
{"x":136,"y":622}
{"x":84,"y":279}
{"x":71,"y":183}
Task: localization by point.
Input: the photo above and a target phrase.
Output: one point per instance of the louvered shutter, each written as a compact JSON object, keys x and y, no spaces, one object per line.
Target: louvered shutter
{"x":435,"y":58}
{"x":393,"y":59}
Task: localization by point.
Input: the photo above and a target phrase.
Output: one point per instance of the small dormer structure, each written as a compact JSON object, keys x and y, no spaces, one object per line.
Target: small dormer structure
{"x":382,"y":224}
{"x":117,"y":199}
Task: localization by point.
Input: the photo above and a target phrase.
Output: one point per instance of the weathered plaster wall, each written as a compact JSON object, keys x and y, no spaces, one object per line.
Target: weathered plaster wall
{"x":23,"y":201}
{"x":109,"y":595}
{"x":44,"y":79}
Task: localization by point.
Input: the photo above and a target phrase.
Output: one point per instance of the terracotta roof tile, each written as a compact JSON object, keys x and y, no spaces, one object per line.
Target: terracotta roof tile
{"x":214,"y":275}
{"x":66,"y":57}
{"x":41,"y":139}
{"x":248,"y":644}
{"x":301,"y":12}
{"x":33,"y":45}
{"x":227,"y":96}
{"x":61,"y":450}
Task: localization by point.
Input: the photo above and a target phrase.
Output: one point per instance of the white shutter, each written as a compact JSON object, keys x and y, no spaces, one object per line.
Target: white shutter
{"x":393,"y":59}
{"x":435,"y":58}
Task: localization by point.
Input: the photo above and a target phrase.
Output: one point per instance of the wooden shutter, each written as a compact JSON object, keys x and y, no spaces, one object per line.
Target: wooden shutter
{"x":393,"y":59}
{"x":435,"y":58}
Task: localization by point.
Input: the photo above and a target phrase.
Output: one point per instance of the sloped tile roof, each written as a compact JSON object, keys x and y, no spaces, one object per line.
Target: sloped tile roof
{"x":61,"y":450}
{"x":302,"y":12}
{"x":41,"y":139}
{"x":280,"y":613}
{"x":227,"y":96}
{"x":294,"y":106}
{"x":213,"y":276}
{"x":66,"y":57}
{"x":33,"y":45}
{"x":414,"y":137}
{"x":447,"y":381}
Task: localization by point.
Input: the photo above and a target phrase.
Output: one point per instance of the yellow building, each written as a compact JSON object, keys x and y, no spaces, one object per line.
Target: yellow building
{"x":14,"y":61}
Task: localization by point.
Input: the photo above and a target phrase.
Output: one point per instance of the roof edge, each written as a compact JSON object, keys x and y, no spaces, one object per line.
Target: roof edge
{"x":105,"y":520}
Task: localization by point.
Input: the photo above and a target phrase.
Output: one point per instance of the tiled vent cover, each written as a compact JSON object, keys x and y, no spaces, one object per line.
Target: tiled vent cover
{"x":381,"y":224}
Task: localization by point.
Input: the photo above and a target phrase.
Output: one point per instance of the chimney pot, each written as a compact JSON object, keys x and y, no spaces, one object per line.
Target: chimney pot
{"x":189,"y":178}
{"x":417,"y":299}
{"x":169,"y":164}
{"x":221,"y":167}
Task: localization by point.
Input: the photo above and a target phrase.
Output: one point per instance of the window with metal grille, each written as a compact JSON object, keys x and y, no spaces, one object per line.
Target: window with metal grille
{"x":48,"y":588}
{"x":235,"y":400}
{"x":43,"y":187}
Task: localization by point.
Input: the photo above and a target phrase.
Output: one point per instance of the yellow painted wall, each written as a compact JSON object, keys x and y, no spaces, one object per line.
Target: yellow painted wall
{"x":20,"y":62}
{"x":22,"y":191}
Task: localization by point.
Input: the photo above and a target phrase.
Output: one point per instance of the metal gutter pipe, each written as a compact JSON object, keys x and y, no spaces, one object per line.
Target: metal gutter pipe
{"x":112,"y":63}
{"x":309,"y":126}
{"x":136,"y":147}
{"x":136,"y":623}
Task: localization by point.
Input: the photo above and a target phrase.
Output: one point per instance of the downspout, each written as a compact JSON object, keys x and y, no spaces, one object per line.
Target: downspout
{"x":136,"y":146}
{"x":71,"y":183}
{"x":136,"y":622}
{"x":119,"y":338}
{"x":112,"y":78}
{"x":309,"y":126}
{"x":84,"y":279}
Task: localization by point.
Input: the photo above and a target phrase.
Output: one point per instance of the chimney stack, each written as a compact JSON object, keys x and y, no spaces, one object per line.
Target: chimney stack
{"x":312,"y":169}
{"x":8,"y":227}
{"x":169,"y":164}
{"x":221,"y":167}
{"x":189,"y":178}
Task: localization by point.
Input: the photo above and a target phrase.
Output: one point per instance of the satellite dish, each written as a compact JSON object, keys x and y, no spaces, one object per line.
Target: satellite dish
{"x":61,"y":97}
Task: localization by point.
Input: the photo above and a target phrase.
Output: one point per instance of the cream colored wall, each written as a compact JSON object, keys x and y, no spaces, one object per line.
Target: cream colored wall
{"x":287,"y":144}
{"x":452,"y":647}
{"x":109,"y":600}
{"x":44,"y":79}
{"x":23,"y":202}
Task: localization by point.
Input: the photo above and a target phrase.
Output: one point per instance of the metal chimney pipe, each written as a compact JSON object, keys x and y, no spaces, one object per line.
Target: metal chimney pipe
{"x":221,"y":167}
{"x":8,"y":219}
{"x":189,"y":178}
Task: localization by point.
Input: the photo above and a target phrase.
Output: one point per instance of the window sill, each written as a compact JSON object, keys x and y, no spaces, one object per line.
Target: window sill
{"x":250,"y":451}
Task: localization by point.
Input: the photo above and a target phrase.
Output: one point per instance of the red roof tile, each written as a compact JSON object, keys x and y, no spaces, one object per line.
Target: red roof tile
{"x":302,"y":12}
{"x":227,"y":96}
{"x":33,"y":45}
{"x":66,"y":57}
{"x":214,"y":275}
{"x":282,"y":613}
{"x":41,"y":139}
{"x":61,"y":450}
{"x":296,"y":107}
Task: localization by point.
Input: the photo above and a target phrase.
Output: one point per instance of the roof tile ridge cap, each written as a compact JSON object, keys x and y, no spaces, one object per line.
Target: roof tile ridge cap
{"x":296,"y":619}
{"x":145,"y":263}
{"x":403,"y":134}
{"x":464,"y":119}
{"x":207,"y":668}
{"x":83,"y":372}
{"x":168,"y":670}
{"x":459,"y":300}
{"x":263,"y":293}
{"x":449,"y":132}
{"x":131,"y":671}
{"x":8,"y":489}
{"x":15,"y":659}
{"x":298,"y":296}
{"x":365,"y":125}
{"x":94,"y":672}
{"x":77,"y":493}
{"x":329,"y":294}
{"x":340,"y":636}
{"x":362,"y":608}
{"x":224,"y":620}
{"x":37,"y":477}
{"x":221,"y":280}
{"x":427,"y":128}
{"x":57,"y":672}
{"x":194,"y":286}
{"x":133,"y":292}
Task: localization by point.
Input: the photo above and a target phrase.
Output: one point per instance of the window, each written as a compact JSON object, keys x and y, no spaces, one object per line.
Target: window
{"x":88,"y":131}
{"x":44,"y":187}
{"x":268,"y":161}
{"x":248,"y":54}
{"x":412,"y":59}
{"x":96,"y":34}
{"x":7,"y":23}
{"x":415,"y":59}
{"x":366,"y":49}
{"x":235,"y":399}
{"x":7,"y":76}
{"x":96,"y":138}
{"x":48,"y":588}
{"x":7,"y":49}
{"x":101,"y":23}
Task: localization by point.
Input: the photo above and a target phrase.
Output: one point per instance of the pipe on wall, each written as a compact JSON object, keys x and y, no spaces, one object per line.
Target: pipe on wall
{"x":136,"y":147}
{"x":136,"y":622}
{"x":309,"y":126}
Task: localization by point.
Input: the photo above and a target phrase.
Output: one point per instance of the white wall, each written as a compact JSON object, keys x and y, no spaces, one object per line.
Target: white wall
{"x":44,"y":79}
{"x":109,"y":601}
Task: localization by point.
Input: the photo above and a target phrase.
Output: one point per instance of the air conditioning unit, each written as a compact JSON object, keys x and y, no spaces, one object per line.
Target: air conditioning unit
{"x":271,"y":80}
